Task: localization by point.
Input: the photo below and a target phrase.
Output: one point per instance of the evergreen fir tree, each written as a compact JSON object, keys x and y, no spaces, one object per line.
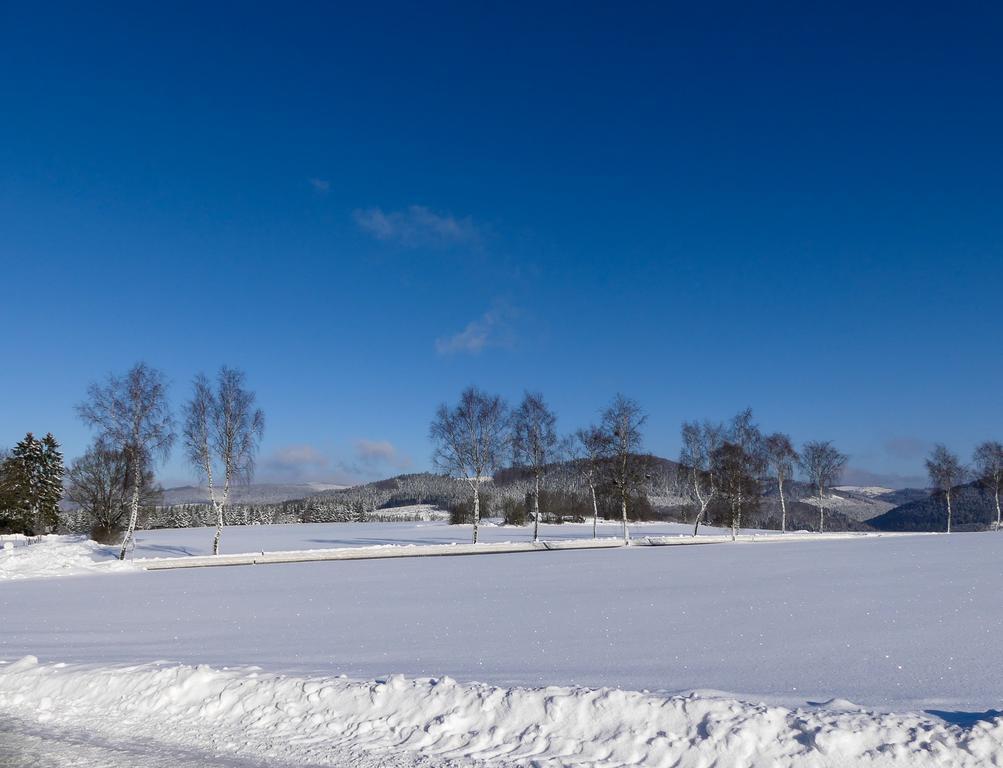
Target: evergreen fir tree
{"x":6,"y":497}
{"x":51,"y":484}
{"x":24,"y":481}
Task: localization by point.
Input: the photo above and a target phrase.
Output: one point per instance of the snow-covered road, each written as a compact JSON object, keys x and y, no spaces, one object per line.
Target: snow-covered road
{"x":24,"y":744}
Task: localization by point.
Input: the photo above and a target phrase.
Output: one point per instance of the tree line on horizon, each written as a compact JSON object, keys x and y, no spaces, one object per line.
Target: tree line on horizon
{"x":721,"y":465}
{"x":724,"y":470}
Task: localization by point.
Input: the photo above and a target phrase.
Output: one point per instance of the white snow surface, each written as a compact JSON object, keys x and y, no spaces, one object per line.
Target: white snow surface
{"x":331,"y":721}
{"x":74,"y":555}
{"x":59,"y":556}
{"x":746,"y":653}
{"x":866,"y":490}
{"x":174,"y":542}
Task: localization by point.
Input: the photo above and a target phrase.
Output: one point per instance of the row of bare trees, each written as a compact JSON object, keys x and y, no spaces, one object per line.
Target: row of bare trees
{"x":729,"y":463}
{"x":946,"y":472}
{"x":135,"y":429}
{"x":480,"y":434}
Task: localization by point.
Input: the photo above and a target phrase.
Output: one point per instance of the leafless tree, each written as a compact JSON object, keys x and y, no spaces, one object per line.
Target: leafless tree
{"x":699,"y":441}
{"x":222,"y":430}
{"x":534,"y":444}
{"x":945,"y":471}
{"x":131,"y":414}
{"x":470,"y":440}
{"x":989,"y":468}
{"x":734,"y":470}
{"x":744,"y":432}
{"x":822,"y":464}
{"x":98,"y":483}
{"x":780,"y":460}
{"x":622,"y":422}
{"x":589,"y":450}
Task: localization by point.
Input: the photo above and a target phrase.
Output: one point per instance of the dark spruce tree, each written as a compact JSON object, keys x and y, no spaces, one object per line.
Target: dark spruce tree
{"x":32,"y":477}
{"x":51,"y":486}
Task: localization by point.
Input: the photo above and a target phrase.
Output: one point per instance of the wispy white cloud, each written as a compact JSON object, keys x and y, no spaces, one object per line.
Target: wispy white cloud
{"x":416,"y":226}
{"x":380,"y":452}
{"x":295,"y":463}
{"x":320,"y":186}
{"x":492,"y":329}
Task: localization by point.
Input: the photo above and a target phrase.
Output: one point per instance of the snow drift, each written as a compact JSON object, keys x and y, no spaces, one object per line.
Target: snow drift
{"x":59,"y":556}
{"x":324,"y":720}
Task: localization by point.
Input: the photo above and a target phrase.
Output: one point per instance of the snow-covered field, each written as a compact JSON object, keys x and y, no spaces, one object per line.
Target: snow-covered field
{"x":74,"y":555}
{"x":877,"y":651}
{"x":275,"y":538}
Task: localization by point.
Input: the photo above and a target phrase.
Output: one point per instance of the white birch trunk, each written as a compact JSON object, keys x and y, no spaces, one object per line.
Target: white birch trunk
{"x":536,"y":510}
{"x":821,"y":512}
{"x":477,"y":509}
{"x":704,"y":503}
{"x":133,"y":514}
{"x":216,"y":506}
{"x":219,"y":516}
{"x":595,"y":511}
{"x":948,"y":510}
{"x":783,"y":507}
{"x":997,"y":509}
{"x":623,"y":511}
{"x":736,"y":516}
{"x":700,"y":500}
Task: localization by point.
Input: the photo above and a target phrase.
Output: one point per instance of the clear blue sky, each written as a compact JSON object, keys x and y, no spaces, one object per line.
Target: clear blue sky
{"x":367,"y":209}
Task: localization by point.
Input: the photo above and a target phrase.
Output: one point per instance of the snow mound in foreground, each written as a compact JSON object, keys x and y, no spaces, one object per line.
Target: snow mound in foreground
{"x":59,"y":556}
{"x":324,"y":720}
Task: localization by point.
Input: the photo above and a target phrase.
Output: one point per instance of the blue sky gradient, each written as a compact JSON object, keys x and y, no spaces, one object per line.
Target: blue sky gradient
{"x":368,"y":209}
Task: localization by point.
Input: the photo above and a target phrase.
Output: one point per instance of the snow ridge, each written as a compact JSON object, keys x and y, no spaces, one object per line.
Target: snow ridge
{"x":436,"y":721}
{"x":56,"y":556}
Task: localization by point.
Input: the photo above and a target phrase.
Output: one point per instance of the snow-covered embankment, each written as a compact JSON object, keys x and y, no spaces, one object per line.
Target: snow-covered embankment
{"x":322,"y":720}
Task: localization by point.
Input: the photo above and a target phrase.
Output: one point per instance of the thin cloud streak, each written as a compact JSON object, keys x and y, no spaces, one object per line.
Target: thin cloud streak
{"x":417,"y":226}
{"x":380,"y":452}
{"x":492,"y":329}
{"x":320,"y":186}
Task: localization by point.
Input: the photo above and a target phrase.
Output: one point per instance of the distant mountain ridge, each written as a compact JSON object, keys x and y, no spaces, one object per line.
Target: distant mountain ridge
{"x":848,"y":507}
{"x":972,"y":510}
{"x":864,"y":503}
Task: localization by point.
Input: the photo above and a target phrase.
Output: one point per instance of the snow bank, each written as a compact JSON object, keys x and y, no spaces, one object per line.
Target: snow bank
{"x":319,"y":720}
{"x":59,"y":556}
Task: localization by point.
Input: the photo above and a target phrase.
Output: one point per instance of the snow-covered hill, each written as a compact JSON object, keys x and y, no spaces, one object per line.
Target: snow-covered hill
{"x":256,"y":493}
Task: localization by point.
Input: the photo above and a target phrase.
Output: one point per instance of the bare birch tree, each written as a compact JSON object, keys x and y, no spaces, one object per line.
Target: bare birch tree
{"x":780,"y":460}
{"x":534,"y":444}
{"x":470,"y":440}
{"x":989,"y":469}
{"x":823,"y":465}
{"x":945,"y":471}
{"x":622,"y":423}
{"x":222,"y":430}
{"x":699,"y":441}
{"x":744,"y":432}
{"x":734,"y":469}
{"x":131,"y":414}
{"x":590,"y":452}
